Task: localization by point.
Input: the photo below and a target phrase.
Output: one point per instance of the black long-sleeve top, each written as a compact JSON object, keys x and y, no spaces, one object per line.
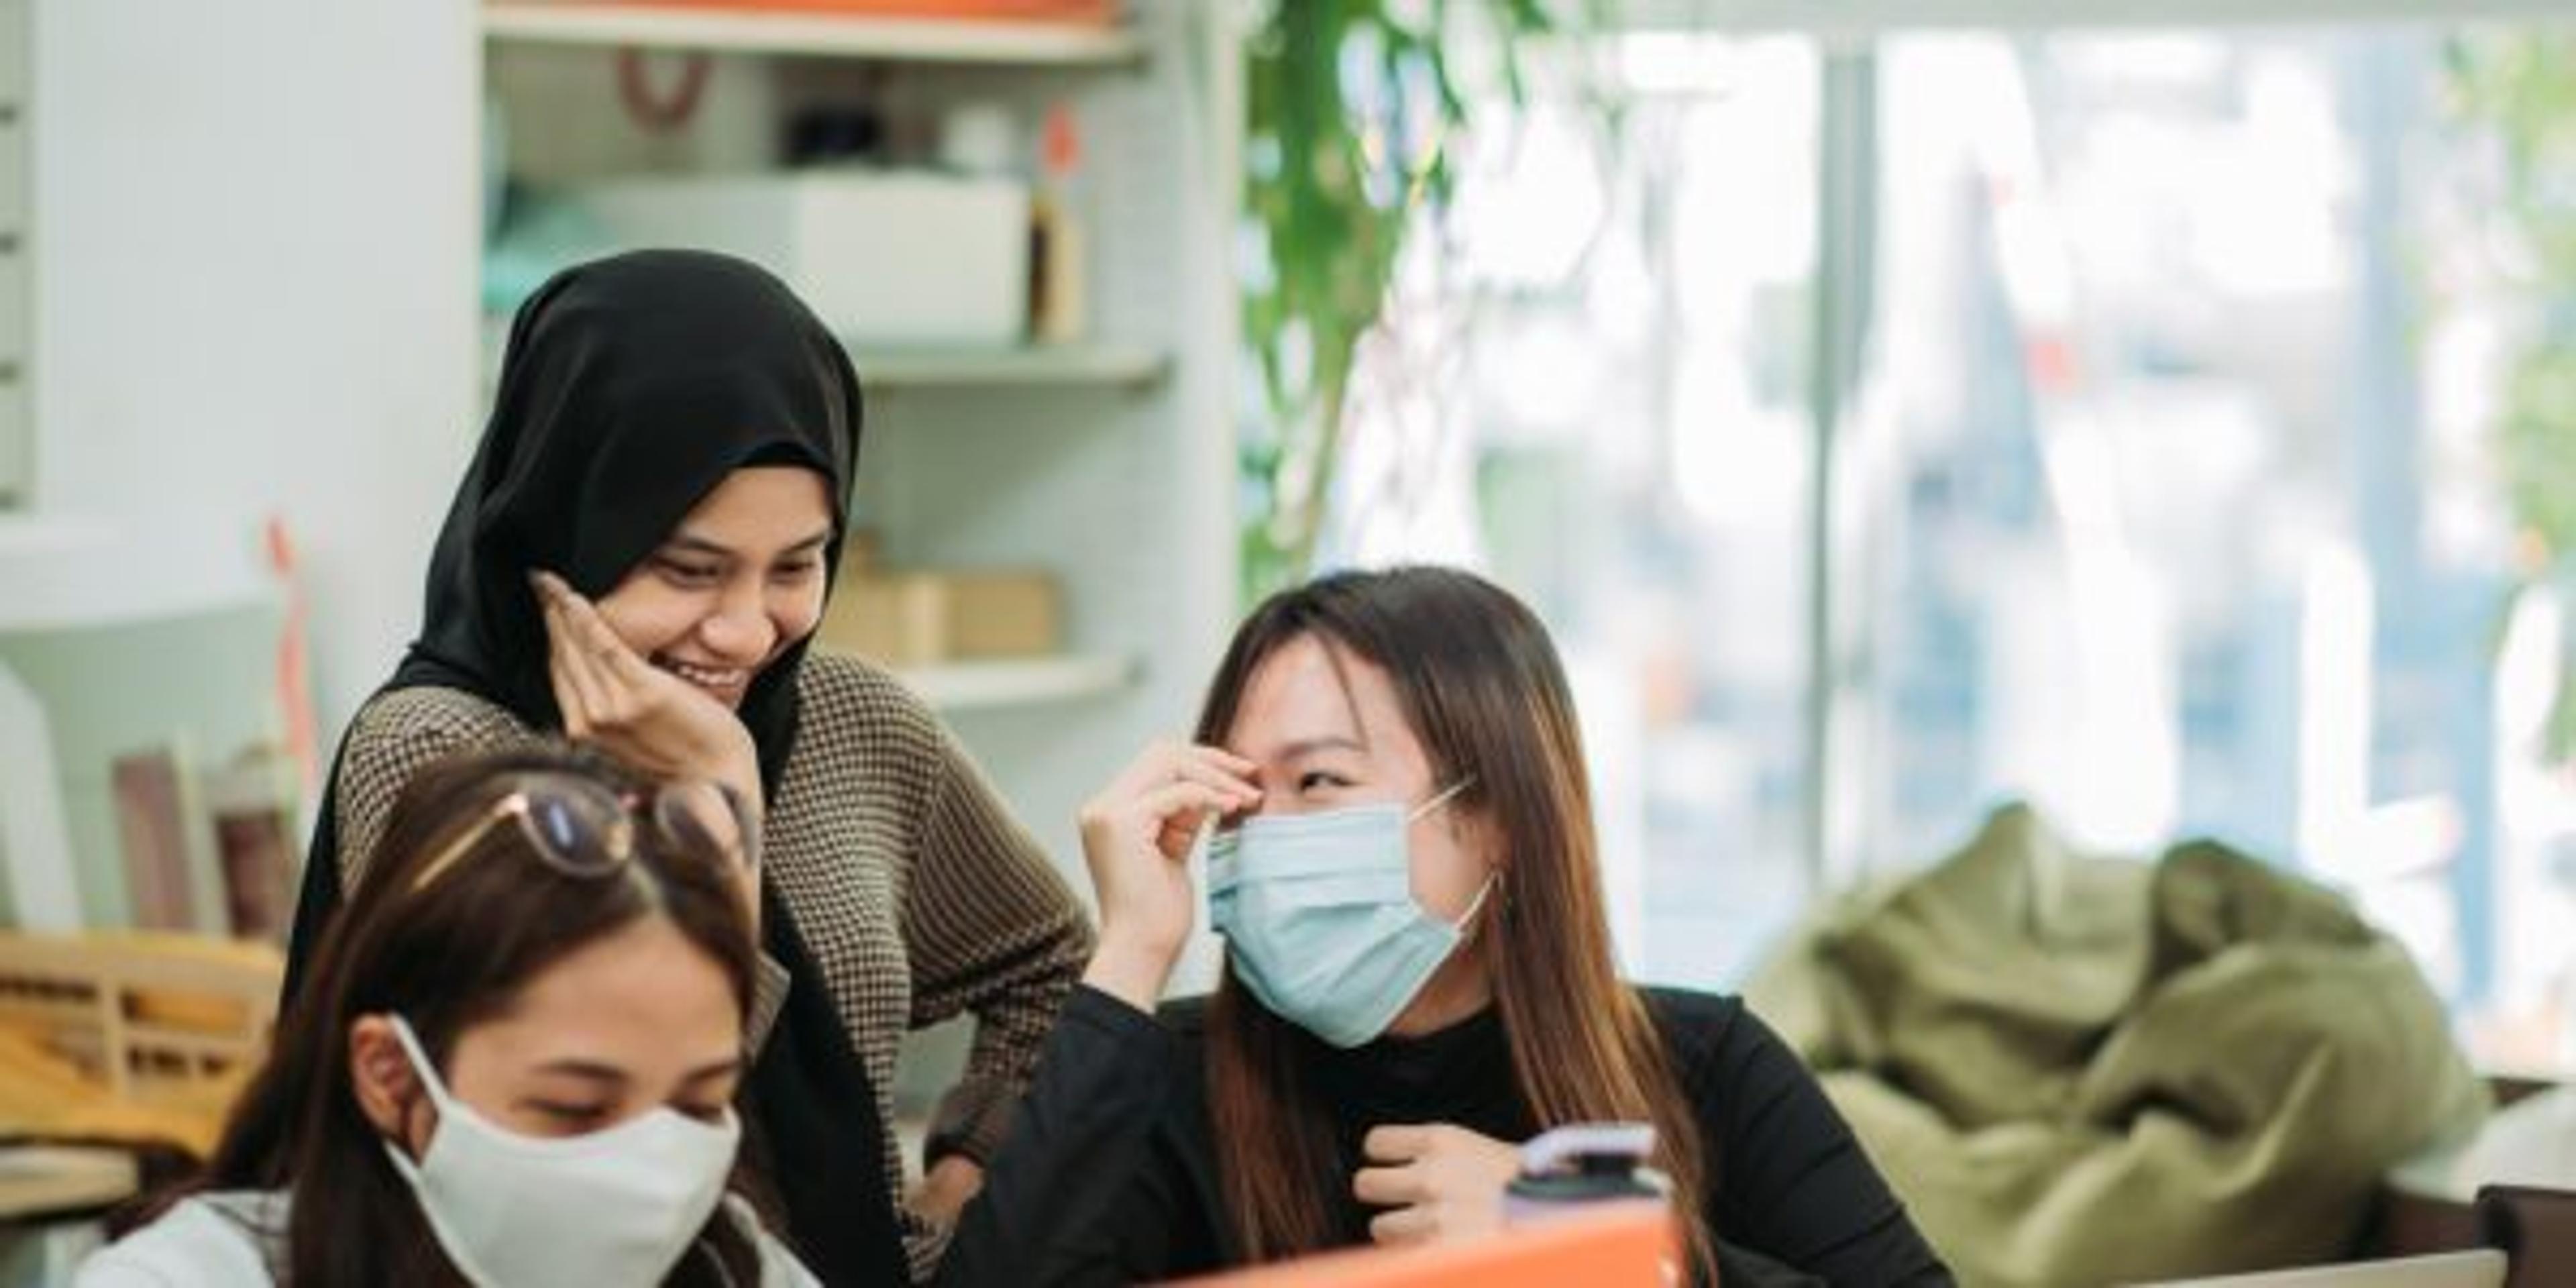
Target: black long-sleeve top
{"x":1109,"y":1173}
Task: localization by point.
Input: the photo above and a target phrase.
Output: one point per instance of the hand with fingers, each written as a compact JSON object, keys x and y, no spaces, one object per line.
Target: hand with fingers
{"x":1437,"y":1182}
{"x":943,"y":1192}
{"x":654,"y":722}
{"x":1136,"y":839}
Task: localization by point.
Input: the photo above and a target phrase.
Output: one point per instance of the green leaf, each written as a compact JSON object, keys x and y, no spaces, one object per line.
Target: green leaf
{"x":1333,"y":248}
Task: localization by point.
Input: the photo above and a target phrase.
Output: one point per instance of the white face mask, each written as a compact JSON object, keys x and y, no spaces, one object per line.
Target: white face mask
{"x":615,"y":1208}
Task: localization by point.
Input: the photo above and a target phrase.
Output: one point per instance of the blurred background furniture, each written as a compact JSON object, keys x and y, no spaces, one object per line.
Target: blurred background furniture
{"x":120,"y":1057}
{"x":2081,"y":1068}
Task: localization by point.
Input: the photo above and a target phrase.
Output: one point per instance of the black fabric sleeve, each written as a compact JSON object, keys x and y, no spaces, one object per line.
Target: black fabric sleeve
{"x":1792,"y":1182}
{"x":1061,"y":1200}
{"x":1738,"y":1268}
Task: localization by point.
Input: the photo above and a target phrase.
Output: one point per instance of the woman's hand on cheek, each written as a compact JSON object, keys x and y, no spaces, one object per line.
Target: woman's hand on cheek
{"x":653,"y":721}
{"x":1136,"y":839}
{"x":1437,"y":1181}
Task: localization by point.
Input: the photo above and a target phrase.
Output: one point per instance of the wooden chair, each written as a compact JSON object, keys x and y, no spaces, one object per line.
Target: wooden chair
{"x":153,"y":1017}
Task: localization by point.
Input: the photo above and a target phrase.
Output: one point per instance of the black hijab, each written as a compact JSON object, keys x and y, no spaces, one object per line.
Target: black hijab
{"x":631,"y":387}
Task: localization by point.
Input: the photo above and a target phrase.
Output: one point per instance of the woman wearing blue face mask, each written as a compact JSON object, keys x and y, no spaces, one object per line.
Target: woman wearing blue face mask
{"x":518,"y":1062}
{"x":1418,"y":977}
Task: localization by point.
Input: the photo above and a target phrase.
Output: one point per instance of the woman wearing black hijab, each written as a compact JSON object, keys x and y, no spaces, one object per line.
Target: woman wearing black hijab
{"x":636,"y":559}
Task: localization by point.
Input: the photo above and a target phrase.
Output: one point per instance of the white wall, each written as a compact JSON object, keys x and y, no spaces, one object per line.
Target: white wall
{"x":255,"y":238}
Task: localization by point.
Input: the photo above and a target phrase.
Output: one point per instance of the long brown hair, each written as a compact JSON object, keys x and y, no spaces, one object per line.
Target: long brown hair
{"x":1481,"y":688}
{"x":446,"y":957}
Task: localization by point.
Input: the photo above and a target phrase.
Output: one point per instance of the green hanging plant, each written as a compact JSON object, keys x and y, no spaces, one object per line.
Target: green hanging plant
{"x":2519,"y":87}
{"x":1352,"y":106}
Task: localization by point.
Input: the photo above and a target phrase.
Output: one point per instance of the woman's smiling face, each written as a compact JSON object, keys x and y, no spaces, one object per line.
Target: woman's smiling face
{"x":738,"y":582}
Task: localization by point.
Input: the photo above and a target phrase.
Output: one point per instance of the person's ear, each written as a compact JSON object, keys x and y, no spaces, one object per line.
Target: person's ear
{"x":381,"y":1073}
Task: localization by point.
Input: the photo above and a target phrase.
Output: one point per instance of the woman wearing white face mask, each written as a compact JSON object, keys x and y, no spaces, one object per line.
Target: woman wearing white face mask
{"x":1418,"y":977}
{"x":518,"y":1061}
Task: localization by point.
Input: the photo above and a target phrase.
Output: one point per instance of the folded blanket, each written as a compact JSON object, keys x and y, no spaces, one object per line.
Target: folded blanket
{"x":2082,"y":1070}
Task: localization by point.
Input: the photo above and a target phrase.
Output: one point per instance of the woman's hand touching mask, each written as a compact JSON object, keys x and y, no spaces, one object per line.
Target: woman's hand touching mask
{"x":1136,"y":839}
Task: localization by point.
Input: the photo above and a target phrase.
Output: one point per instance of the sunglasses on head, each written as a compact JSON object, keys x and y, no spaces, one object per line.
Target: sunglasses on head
{"x":581,"y":827}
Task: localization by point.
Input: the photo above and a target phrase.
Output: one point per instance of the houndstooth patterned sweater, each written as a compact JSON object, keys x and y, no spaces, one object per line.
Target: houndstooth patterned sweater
{"x":917,"y":893}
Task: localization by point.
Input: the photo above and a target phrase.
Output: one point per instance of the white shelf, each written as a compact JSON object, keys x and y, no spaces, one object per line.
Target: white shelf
{"x":969,"y":686}
{"x":1116,"y":366}
{"x":655,"y":26}
{"x":1036,"y":365}
{"x":78,"y":573}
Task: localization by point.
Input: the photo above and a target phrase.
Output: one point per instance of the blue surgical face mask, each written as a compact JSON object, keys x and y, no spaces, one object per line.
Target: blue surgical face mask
{"x":1319,"y":917}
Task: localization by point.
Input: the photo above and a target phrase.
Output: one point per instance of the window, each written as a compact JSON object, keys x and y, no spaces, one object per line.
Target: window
{"x":2164,"y":491}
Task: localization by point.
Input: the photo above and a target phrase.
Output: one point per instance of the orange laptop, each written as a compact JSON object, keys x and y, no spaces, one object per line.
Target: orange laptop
{"x":1621,"y":1246}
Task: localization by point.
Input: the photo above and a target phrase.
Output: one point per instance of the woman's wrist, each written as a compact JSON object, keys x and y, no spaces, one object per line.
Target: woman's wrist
{"x":1129,"y":970}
